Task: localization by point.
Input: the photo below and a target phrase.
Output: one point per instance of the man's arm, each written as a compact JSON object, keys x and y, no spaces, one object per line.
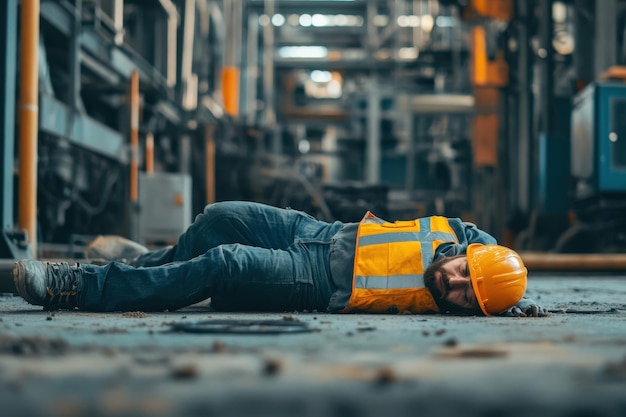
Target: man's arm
{"x":466,"y":233}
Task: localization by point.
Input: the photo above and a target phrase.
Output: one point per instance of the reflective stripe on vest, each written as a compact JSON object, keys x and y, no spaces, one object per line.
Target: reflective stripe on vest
{"x":389,"y":264}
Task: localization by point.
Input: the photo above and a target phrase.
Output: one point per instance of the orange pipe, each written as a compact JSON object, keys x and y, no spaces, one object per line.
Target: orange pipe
{"x":574,"y":262}
{"x":230,"y":90}
{"x":150,"y":153}
{"x":210,"y":164}
{"x":479,"y":56}
{"x":29,"y":120}
{"x":134,"y":135}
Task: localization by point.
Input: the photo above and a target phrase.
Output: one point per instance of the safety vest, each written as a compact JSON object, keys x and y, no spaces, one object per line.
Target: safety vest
{"x":390,"y":261}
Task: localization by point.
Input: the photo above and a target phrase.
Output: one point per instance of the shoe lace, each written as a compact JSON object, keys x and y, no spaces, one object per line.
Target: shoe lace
{"x":61,"y":284}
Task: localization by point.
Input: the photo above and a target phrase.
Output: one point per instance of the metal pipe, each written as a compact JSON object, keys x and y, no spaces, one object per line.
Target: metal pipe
{"x":525,"y":117}
{"x":28,"y":114}
{"x":134,"y":136}
{"x":268,"y":66}
{"x":74,"y":63}
{"x":190,"y":91}
{"x":371,"y":42}
{"x":573,"y":262}
{"x":410,"y":153}
{"x":605,"y":36}
{"x":230,"y":70}
{"x":150,"y":153}
{"x":372,"y":146}
{"x":547,"y":69}
{"x":118,"y":21}
{"x":210,"y":163}
{"x":172,"y":28}
{"x":230,"y":90}
{"x":253,"y":68}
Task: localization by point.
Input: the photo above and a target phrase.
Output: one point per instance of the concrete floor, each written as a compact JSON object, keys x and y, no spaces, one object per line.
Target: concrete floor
{"x":572,"y":363}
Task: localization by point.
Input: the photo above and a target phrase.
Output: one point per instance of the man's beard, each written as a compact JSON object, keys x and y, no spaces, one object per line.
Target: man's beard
{"x":430,"y":281}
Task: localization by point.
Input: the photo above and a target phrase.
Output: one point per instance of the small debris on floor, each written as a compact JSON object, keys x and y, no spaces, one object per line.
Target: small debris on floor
{"x":135,"y":314}
{"x":151,"y":359}
{"x":615,"y":371}
{"x":366,"y":329}
{"x":32,"y":346}
{"x":111,"y":330}
{"x":186,"y":371}
{"x":218,"y":346}
{"x":451,"y":342}
{"x":384,"y":376}
{"x":473,"y":353}
{"x":271,"y":367}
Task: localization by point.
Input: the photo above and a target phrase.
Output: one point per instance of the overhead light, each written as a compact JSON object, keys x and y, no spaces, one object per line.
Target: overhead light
{"x":444,"y":21}
{"x":408,"y":53}
{"x":278,"y":20}
{"x":302,"y":52}
{"x":408,"y":21}
{"x":305,"y":20}
{"x":427,"y":22}
{"x":381,"y":20}
{"x":293,"y":19}
{"x":264,"y":20}
{"x":340,"y":20}
{"x":321,"y":76}
{"x":354,"y":20}
{"x":319,"y":20}
{"x":559,"y":12}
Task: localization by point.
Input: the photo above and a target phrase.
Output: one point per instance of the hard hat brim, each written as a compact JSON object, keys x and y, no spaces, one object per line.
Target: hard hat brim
{"x":475,"y":275}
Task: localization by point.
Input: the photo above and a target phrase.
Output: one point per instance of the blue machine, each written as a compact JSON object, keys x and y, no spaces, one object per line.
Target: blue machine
{"x":598,"y":153}
{"x":598,"y":171}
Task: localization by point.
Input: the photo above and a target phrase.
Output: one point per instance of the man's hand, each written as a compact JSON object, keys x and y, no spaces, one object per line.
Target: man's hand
{"x":526,"y":308}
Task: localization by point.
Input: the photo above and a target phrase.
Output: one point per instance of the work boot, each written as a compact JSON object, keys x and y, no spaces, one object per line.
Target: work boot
{"x":49,"y":284}
{"x":114,"y":248}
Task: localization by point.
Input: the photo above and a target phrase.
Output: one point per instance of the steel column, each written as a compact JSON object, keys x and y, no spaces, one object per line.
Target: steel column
{"x":8,"y":45}
{"x":134,"y":155}
{"x":584,"y":53}
{"x":268,"y":66}
{"x":74,"y":101}
{"x":209,"y":162}
{"x":605,"y":35}
{"x":409,"y":120}
{"x":372,"y":147}
{"x":525,"y":114}
{"x":233,"y":10}
{"x":547,"y":69}
{"x":252,"y":73}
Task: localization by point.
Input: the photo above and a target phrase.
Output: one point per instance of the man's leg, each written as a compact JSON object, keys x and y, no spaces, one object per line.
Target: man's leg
{"x":267,"y":279}
{"x":247,"y":223}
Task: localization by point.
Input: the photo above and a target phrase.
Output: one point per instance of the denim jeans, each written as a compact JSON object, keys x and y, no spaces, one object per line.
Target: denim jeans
{"x":244,"y":255}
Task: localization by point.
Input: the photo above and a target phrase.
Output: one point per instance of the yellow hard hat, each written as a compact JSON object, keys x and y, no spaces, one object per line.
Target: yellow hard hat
{"x":498,"y":276}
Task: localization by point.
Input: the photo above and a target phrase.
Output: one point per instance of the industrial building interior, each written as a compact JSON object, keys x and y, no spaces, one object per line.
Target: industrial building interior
{"x":128,"y":117}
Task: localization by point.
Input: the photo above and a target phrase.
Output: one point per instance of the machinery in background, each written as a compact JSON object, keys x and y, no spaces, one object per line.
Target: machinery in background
{"x":560,"y":108}
{"x":409,"y":108}
{"x":164,"y":206}
{"x":598,"y":169}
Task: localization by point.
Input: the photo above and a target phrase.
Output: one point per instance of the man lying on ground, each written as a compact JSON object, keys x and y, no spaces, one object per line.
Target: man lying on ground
{"x":248,"y":256}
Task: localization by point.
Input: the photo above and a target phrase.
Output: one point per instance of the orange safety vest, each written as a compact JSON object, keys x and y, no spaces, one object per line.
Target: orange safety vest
{"x":390,"y":261}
